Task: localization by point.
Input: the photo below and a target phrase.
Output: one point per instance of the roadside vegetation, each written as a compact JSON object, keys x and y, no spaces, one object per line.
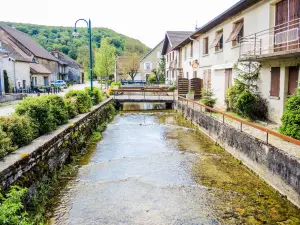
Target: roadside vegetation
{"x":291,"y":117}
{"x":36,"y":116}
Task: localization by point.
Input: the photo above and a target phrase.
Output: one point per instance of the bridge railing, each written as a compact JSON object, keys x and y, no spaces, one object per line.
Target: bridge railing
{"x":241,"y":121}
{"x":147,"y":93}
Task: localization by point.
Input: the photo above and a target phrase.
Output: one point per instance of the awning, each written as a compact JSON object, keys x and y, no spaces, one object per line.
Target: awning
{"x":235,"y":32}
{"x":217,"y":40}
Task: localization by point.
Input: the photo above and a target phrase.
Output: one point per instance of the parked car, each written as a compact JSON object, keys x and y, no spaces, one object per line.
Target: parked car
{"x":59,"y":83}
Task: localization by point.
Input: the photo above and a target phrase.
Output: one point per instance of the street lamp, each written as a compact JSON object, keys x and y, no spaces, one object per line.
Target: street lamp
{"x":76,"y":34}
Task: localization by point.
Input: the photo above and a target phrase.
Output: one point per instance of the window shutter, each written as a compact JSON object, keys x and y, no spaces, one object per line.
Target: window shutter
{"x":235,"y":32}
{"x":275,"y":81}
{"x":293,"y":80}
{"x":217,"y":39}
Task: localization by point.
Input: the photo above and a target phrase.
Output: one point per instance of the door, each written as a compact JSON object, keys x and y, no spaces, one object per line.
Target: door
{"x":45,"y":81}
{"x":293,"y":79}
{"x":228,"y":79}
{"x":24,"y":84}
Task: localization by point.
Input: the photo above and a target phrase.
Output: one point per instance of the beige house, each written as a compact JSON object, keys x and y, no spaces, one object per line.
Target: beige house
{"x":265,"y":31}
{"x":151,"y":61}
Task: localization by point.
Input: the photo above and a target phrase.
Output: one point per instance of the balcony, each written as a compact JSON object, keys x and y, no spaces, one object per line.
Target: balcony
{"x":281,"y":41}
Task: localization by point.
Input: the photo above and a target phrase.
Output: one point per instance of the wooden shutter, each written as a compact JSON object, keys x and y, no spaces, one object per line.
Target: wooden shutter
{"x":293,"y":79}
{"x":191,"y":49}
{"x":275,"y":81}
{"x":235,"y":32}
{"x":217,"y":39}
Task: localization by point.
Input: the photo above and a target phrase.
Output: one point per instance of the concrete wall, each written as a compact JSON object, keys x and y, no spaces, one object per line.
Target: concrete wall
{"x":49,"y":152}
{"x":276,"y":167}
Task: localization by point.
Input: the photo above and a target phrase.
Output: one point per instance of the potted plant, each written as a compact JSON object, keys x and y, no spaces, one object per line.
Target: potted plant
{"x":190,"y":95}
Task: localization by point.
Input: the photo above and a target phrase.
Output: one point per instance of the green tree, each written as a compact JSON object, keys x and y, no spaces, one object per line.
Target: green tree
{"x":105,"y":60}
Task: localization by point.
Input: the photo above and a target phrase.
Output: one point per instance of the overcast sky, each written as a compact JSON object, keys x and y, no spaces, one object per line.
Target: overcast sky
{"x":144,"y":20}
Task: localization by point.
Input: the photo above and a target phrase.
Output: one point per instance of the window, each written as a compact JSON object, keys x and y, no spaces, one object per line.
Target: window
{"x":275,"y":81}
{"x":173,"y":56}
{"x":148,"y":66}
{"x":191,"y":50}
{"x":185,"y":52}
{"x":237,"y":33}
{"x":218,"y":42}
{"x":205,"y":46}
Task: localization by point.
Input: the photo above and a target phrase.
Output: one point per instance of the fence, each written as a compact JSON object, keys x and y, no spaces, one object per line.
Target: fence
{"x":224,"y":115}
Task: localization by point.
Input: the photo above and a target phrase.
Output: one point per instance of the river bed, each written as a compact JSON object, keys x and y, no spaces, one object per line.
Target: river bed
{"x":156,"y":168}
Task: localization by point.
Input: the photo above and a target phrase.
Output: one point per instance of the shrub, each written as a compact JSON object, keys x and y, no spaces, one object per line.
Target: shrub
{"x":58,"y":109}
{"x":115,"y":84}
{"x":152,"y":78}
{"x":96,"y":95}
{"x":82,"y":100}
{"x":38,"y":110}
{"x":19,"y":129}
{"x":71,"y":109}
{"x":207,"y":97}
{"x":245,"y":104}
{"x":12,"y":208}
{"x":291,"y":117}
{"x":172,"y":88}
{"x":6,"y":146}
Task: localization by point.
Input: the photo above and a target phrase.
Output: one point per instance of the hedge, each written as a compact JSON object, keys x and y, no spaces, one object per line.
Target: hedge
{"x":6,"y":145}
{"x":96,"y":95}
{"x":19,"y":129}
{"x":81,"y":99}
{"x":291,"y":117}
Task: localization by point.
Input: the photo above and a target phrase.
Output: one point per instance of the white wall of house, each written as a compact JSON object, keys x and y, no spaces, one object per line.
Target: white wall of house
{"x":172,"y":63}
{"x":256,"y":18}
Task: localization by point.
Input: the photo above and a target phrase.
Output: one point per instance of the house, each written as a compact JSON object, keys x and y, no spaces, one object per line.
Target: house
{"x":68,"y":69}
{"x":125,"y":64}
{"x":173,"y":57}
{"x":15,"y":67}
{"x":151,"y":61}
{"x":262,"y":31}
{"x":3,"y":55}
{"x":30,"y":49}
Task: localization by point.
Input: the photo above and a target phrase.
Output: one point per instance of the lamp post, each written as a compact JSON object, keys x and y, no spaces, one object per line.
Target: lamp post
{"x":76,"y":34}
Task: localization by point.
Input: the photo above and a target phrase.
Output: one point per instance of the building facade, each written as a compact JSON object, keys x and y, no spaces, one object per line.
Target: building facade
{"x":266,"y":32}
{"x":173,"y":56}
{"x":151,"y":61}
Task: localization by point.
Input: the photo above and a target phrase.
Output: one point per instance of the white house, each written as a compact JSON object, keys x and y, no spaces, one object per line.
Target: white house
{"x":173,"y":56}
{"x":265,"y":31}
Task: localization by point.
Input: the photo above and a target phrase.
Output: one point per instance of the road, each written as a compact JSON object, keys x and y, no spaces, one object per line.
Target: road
{"x":8,"y":108}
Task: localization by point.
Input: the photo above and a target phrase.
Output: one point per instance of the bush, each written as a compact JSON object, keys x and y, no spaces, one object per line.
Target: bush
{"x":71,"y":109}
{"x":38,"y":110}
{"x":152,"y":78}
{"x":291,"y":117}
{"x":58,"y":109}
{"x":207,"y":97}
{"x":6,"y":146}
{"x":81,"y":100}
{"x":96,"y":95}
{"x":172,"y":88}
{"x":116,"y":84}
{"x":12,"y":208}
{"x":19,"y":129}
{"x":245,"y":104}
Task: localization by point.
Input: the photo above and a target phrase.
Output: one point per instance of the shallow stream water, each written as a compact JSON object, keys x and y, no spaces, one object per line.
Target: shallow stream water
{"x":156,"y":168}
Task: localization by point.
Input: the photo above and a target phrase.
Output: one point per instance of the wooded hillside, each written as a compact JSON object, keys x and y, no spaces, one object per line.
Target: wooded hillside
{"x":51,"y":37}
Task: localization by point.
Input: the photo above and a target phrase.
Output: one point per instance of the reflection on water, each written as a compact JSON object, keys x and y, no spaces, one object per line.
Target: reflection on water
{"x":158,"y":169}
{"x":143,"y":106}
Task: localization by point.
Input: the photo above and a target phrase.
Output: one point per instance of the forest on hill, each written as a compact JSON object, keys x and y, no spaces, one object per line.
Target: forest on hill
{"x":55,"y":37}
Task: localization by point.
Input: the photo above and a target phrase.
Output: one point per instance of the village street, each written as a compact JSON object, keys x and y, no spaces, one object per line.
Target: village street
{"x":8,"y":108}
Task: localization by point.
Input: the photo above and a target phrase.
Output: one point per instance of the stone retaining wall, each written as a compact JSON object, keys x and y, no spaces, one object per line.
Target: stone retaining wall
{"x":276,"y":167}
{"x":12,"y":97}
{"x":51,"y":151}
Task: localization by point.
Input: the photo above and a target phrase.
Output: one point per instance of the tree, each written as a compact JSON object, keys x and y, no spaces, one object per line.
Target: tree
{"x":160,"y":72}
{"x":132,"y":65}
{"x":105,"y":60}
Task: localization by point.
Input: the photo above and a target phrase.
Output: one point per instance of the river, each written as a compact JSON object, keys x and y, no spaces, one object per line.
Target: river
{"x":156,"y":168}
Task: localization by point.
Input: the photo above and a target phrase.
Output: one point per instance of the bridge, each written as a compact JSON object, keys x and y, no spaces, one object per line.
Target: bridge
{"x":144,"y":94}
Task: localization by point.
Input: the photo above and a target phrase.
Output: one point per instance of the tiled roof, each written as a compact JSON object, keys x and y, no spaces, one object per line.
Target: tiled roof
{"x":13,"y":53}
{"x":28,"y":42}
{"x":66,"y":60}
{"x":38,"y":69}
{"x":176,"y":37}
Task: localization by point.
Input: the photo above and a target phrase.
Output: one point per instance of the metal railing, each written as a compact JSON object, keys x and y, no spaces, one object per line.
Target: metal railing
{"x":147,"y":93}
{"x":278,"y":39}
{"x":241,"y":121}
